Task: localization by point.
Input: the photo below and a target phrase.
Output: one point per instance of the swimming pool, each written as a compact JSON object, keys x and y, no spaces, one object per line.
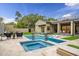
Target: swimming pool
{"x":36,"y":37}
{"x":55,"y":40}
{"x":43,"y":38}
{"x":33,"y":45}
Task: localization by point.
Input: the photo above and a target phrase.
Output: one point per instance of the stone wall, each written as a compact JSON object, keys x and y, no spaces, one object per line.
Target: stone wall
{"x":21,"y":30}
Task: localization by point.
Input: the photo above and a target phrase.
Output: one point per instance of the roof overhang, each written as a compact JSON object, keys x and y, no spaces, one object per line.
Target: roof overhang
{"x":62,"y":21}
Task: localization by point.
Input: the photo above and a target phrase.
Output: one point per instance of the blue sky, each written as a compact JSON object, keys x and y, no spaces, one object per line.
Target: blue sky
{"x":55,"y":10}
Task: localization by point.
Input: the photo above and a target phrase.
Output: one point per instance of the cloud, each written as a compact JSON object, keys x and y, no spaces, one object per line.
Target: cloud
{"x":71,"y":4}
{"x":8,"y":20}
{"x":67,"y":15}
{"x":71,"y":9}
{"x":70,"y":15}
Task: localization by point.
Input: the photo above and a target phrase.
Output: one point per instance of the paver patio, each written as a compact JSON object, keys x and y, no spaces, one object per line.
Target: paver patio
{"x":12,"y":47}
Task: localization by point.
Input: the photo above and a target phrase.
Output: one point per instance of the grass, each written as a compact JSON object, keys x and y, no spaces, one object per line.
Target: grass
{"x":55,"y":34}
{"x":27,"y":33}
{"x":74,"y":46}
{"x":71,"y":37}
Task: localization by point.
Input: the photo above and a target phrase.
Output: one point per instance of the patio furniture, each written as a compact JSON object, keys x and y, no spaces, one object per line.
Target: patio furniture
{"x":13,"y":35}
{"x":19,"y":34}
{"x":8,"y":34}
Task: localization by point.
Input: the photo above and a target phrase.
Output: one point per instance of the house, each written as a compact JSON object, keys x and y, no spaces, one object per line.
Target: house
{"x":64,"y":26}
{"x":40,"y":26}
{"x":43,"y":26}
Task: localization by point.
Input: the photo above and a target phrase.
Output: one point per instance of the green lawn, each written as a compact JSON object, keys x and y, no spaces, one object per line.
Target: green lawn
{"x":27,"y":33}
{"x":56,"y":34}
{"x":71,"y":37}
{"x":74,"y":46}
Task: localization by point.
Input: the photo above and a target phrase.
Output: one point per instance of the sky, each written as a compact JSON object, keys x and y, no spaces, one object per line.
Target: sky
{"x":52,"y":10}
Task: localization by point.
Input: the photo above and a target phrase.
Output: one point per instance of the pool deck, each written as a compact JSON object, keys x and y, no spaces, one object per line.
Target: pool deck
{"x":70,"y":49}
{"x":12,"y":47}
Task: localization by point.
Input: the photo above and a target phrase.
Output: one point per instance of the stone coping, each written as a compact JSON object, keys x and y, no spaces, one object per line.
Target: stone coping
{"x":69,"y":49}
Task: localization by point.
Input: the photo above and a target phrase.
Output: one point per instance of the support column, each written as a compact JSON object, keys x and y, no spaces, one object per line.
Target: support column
{"x":51,"y":29}
{"x":72,"y":28}
{"x":58,"y":28}
{"x":45,"y":29}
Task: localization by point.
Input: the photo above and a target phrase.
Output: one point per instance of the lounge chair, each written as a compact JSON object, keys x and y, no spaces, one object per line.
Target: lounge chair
{"x":8,"y":35}
{"x":19,"y":34}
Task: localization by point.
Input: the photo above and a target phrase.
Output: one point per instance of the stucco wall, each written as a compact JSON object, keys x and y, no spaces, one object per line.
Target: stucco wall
{"x":39,"y":22}
{"x":37,"y":28}
{"x":9,"y":28}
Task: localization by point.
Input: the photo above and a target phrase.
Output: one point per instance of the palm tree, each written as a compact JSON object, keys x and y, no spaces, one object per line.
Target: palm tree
{"x":18,"y":15}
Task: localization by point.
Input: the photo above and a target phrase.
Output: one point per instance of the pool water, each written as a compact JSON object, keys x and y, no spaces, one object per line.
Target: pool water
{"x":55,"y":40}
{"x":43,"y":38}
{"x":36,"y":37}
{"x":38,"y":42}
{"x":33,"y":45}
